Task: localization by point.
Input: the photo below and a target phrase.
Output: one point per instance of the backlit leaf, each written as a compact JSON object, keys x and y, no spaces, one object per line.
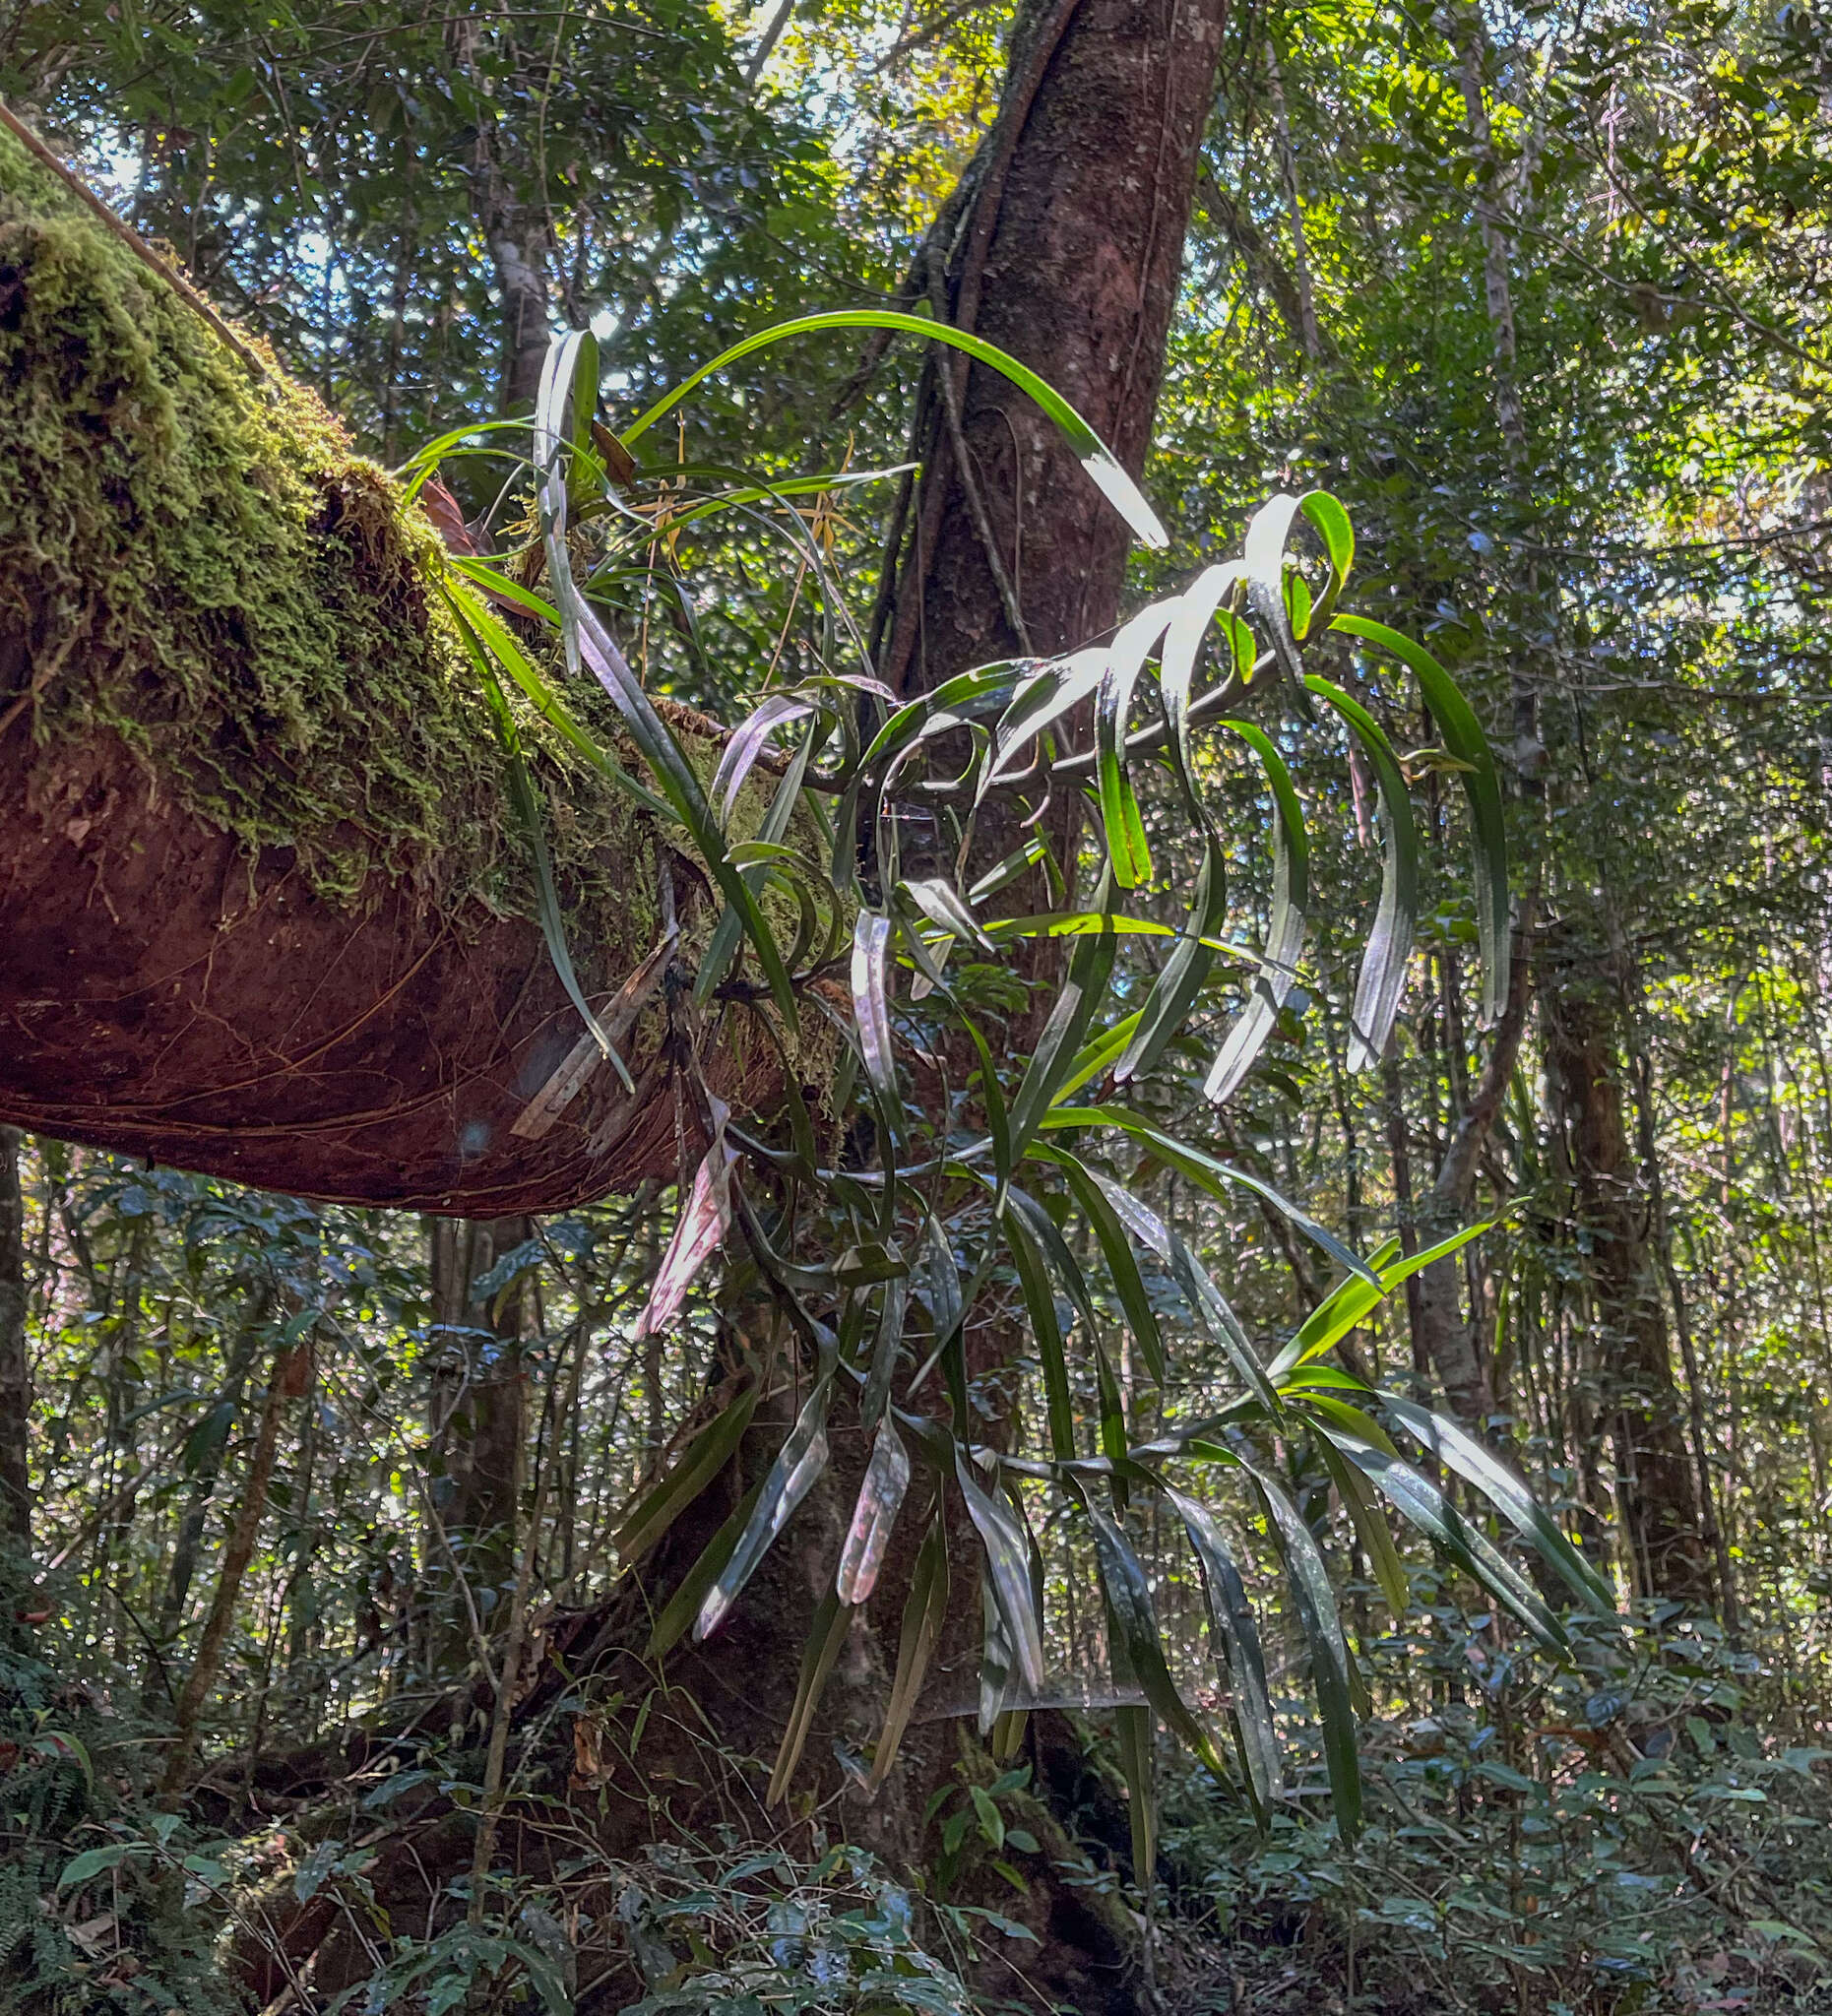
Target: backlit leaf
{"x":1390,"y":943}
{"x":880,"y":1498}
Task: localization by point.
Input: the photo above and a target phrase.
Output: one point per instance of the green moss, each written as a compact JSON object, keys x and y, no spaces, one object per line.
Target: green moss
{"x":200,"y":563}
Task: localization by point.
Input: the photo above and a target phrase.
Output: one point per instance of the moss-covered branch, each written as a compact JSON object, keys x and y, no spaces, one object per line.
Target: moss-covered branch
{"x":265,"y":906}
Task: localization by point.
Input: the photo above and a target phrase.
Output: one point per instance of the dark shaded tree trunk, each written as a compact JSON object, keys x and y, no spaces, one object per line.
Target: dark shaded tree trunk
{"x":1443,"y":1338}
{"x":286,"y":1381}
{"x":15,"y":1369}
{"x":1642,"y":1404}
{"x":188,"y":1542}
{"x":476,"y":1423}
{"x":516,"y":234}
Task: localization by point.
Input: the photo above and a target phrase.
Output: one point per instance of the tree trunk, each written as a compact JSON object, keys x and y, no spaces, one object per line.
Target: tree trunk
{"x":1064,"y":245}
{"x":14,"y":1369}
{"x":477,"y":1420}
{"x":518,"y":243}
{"x":187,"y":1543}
{"x":514,"y":231}
{"x":287,"y":1380}
{"x":1655,"y":1478}
{"x":1441,"y":1335}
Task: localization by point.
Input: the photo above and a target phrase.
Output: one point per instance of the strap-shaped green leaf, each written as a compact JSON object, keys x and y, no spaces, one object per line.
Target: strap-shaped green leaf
{"x":1115,"y":1243}
{"x":784,"y":803}
{"x":925,"y":1610}
{"x":546,"y":896}
{"x":832,"y":1619}
{"x":1390,"y":943}
{"x":885,"y":1351}
{"x":1371,"y":1527}
{"x":1104,"y":468}
{"x":1464,"y":738}
{"x":872,"y":934}
{"x":1196,"y":1285}
{"x":681,"y":1610}
{"x":1040,"y":1302}
{"x":1336,"y":1415}
{"x":1054,"y":687}
{"x":1185,"y":972}
{"x":999,"y":1688}
{"x":1331,"y":1673}
{"x":1134,"y":1626}
{"x":1350,"y":1302}
{"x":1461,"y":1451}
{"x":1090,"y":968}
{"x":1132,"y":1727}
{"x":992,"y":1099}
{"x":800,"y":1460}
{"x":1206,"y":1172}
{"x":1119,"y":804}
{"x":1332,"y":526}
{"x":701,"y":1460}
{"x":1427,"y":1508}
{"x":944,"y":906}
{"x":1234,"y":1636}
{"x":1284,"y":933}
{"x":585,"y":637}
{"x":881,"y":1495}
{"x":1263,"y":558}
{"x":1008,"y":1571}
{"x":1097,"y":1055}
{"x":1199,"y":605}
{"x":477,"y":621}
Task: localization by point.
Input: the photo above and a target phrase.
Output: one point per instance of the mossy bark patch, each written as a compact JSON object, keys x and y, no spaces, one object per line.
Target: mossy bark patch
{"x":264,"y":908}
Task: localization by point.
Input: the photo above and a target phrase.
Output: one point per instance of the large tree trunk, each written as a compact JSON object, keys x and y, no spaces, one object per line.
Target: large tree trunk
{"x":478,"y":1420}
{"x":1064,"y":245}
{"x":1654,"y":1469}
{"x":265,"y":909}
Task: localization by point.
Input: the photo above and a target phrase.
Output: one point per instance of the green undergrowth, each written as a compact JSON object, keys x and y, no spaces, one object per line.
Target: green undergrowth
{"x":201,"y":564}
{"x":1656,"y":1841}
{"x":106,"y":1906}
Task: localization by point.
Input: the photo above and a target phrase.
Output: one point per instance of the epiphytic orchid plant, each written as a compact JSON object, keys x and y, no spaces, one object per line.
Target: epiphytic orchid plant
{"x":882,"y":1263}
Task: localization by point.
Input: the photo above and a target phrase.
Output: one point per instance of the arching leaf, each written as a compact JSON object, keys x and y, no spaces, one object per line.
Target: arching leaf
{"x":1464,"y":738}
{"x":801,"y":1459}
{"x":1285,"y":934}
{"x":1104,"y":468}
{"x":1390,"y":943}
{"x":1234,"y":1636}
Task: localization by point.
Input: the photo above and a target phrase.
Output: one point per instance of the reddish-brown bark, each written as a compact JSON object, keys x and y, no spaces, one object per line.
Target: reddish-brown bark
{"x":163,"y":995}
{"x":1065,"y":246}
